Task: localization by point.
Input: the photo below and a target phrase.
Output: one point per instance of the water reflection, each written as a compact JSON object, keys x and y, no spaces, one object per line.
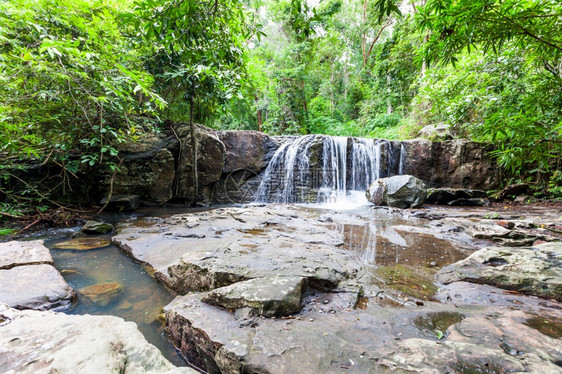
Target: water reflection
{"x":140,"y":301}
{"x":379,"y":243}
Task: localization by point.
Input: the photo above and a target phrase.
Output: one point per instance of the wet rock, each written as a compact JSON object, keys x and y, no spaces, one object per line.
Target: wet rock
{"x":533,"y":270}
{"x":47,"y":342}
{"x":498,"y":233}
{"x":120,"y":203}
{"x":438,"y":131}
{"x":358,"y":341}
{"x":401,"y":191}
{"x":96,"y":227}
{"x":455,"y":163}
{"x":147,"y":169}
{"x":216,"y":249}
{"x":512,"y":191}
{"x":450,"y":195}
{"x":270,"y":297}
{"x":103,"y":293}
{"x":18,"y":253}
{"x":83,"y":244}
{"x":210,"y":163}
{"x":245,"y":150}
{"x":35,"y":287}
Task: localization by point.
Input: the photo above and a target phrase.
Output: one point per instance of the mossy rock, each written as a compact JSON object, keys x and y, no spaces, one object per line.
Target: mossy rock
{"x":407,"y":282}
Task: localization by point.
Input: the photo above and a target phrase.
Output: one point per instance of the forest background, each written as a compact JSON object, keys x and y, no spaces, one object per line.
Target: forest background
{"x":77,"y":77}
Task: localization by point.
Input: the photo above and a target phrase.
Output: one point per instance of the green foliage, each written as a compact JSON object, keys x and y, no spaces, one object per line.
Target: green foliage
{"x":454,"y":25}
{"x":68,"y":81}
{"x":4,"y":231}
{"x":195,"y":53}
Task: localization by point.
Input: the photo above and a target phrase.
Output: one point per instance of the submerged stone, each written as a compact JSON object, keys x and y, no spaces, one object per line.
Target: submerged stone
{"x":276,"y":296}
{"x":83,"y":244}
{"x":103,"y":293}
{"x":535,"y":270}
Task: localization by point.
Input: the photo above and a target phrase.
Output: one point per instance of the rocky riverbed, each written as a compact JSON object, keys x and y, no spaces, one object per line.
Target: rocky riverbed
{"x":282,"y":289}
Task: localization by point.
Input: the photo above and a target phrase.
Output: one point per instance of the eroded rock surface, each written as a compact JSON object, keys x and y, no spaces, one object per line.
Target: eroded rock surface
{"x":35,"y":287}
{"x":204,"y":251}
{"x":375,"y":340}
{"x":28,"y":280}
{"x":350,"y":319}
{"x":47,"y":342}
{"x":17,"y":253}
{"x":531,"y":270}
{"x":270,"y":297}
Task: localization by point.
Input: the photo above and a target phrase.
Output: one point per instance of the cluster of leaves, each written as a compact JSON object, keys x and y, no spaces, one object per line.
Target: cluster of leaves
{"x":71,"y":87}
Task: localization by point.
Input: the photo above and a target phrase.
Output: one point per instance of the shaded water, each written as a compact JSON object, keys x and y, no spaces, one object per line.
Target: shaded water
{"x":141,"y":300}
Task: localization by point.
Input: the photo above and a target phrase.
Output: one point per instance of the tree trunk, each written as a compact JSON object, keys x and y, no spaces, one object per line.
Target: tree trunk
{"x":194,"y":154}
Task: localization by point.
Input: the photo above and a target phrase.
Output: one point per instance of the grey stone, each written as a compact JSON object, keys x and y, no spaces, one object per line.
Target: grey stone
{"x":533,"y":270}
{"x":401,"y":191}
{"x":45,"y":342}
{"x":35,"y":287}
{"x":122,"y":202}
{"x":448,"y":195}
{"x":437,"y":131}
{"x":18,"y":253}
{"x":208,"y":250}
{"x":96,"y":227}
{"x":375,"y":340}
{"x":275,"y":296}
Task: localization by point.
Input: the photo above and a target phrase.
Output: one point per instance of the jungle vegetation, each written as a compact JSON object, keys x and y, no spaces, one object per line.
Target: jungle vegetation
{"x":78,"y":77}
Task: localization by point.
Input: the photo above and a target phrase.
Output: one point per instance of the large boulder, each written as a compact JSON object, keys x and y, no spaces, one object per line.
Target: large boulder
{"x":455,"y":163}
{"x":47,"y":342}
{"x":210,"y":163}
{"x":535,"y":270}
{"x":147,"y":169}
{"x":437,"y":131}
{"x":245,"y":150}
{"x":401,"y":191}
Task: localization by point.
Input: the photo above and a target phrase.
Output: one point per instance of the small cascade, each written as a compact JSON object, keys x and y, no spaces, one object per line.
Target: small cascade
{"x":402,"y":161}
{"x":334,"y":172}
{"x":323,"y":169}
{"x":365,"y":163}
{"x":287,"y":171}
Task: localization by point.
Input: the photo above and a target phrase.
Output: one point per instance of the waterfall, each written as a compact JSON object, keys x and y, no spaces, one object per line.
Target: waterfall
{"x":321,"y":169}
{"x":287,"y":170}
{"x":403,"y":156}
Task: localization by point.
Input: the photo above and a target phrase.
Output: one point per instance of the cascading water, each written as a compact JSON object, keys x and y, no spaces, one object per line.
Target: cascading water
{"x":323,"y":169}
{"x":403,"y":156}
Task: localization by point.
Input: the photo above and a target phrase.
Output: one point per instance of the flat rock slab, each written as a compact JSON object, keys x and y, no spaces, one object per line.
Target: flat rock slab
{"x":35,"y":287}
{"x":48,"y":342}
{"x":208,"y":250}
{"x":17,"y":253}
{"x":535,"y":270}
{"x":375,"y":340}
{"x":277,"y":296}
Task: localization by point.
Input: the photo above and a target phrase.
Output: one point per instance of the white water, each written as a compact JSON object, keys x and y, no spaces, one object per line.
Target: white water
{"x":338,"y":180}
